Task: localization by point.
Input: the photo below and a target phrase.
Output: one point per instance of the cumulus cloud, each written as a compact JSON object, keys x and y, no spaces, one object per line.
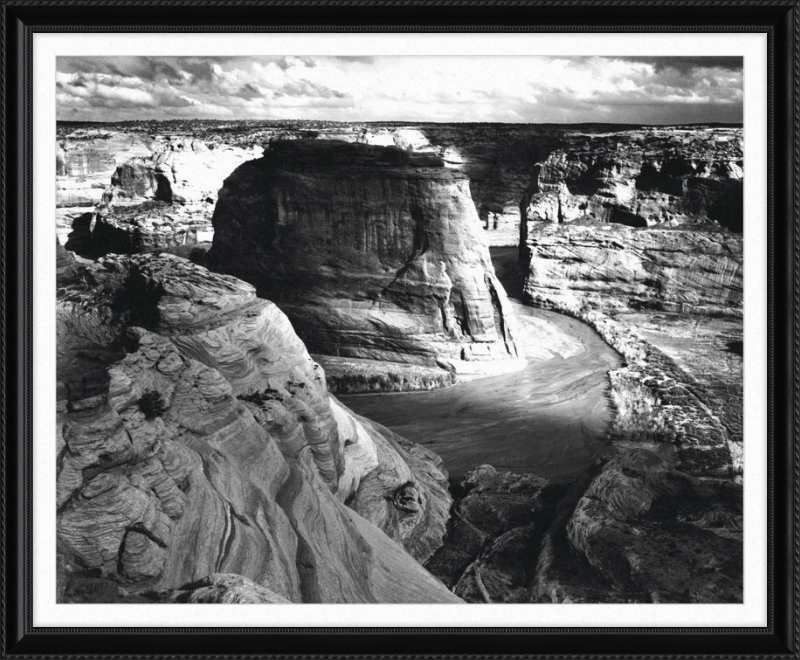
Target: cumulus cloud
{"x":463,"y":88}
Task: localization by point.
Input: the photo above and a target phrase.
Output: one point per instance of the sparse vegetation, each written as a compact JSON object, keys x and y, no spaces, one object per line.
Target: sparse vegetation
{"x":152,"y":404}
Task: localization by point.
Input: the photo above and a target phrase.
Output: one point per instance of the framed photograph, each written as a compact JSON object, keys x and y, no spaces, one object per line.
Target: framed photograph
{"x":391,"y":329}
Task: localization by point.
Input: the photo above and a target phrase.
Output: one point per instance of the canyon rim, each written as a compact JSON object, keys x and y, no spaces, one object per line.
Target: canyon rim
{"x":329,"y":331}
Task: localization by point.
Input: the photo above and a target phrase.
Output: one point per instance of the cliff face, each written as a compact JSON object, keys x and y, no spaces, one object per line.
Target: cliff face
{"x":373,"y":252}
{"x":641,"y":178}
{"x":164,"y":199}
{"x":85,"y":163}
{"x":619,"y":268}
{"x":196,"y":437}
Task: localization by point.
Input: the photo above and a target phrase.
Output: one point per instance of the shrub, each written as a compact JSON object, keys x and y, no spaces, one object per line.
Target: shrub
{"x":152,"y":404}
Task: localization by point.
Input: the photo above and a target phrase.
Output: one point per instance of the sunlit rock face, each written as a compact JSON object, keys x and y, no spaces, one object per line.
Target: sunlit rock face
{"x":619,"y":268}
{"x":373,"y":252}
{"x":641,"y":178}
{"x":165,"y":199}
{"x":86,"y":159}
{"x":196,"y":436}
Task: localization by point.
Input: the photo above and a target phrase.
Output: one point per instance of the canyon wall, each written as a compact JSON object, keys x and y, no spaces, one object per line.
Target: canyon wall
{"x":630,"y":174}
{"x":125,"y":190}
{"x":86,"y":159}
{"x":373,"y":252}
{"x":641,"y":178}
{"x":618,"y":268}
{"x":201,"y":458}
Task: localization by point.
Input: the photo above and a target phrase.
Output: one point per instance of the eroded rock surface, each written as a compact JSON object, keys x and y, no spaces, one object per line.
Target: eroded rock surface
{"x":373,"y":252}
{"x":86,"y":159}
{"x":655,"y":531}
{"x":634,"y":530}
{"x":197,"y":436}
{"x":615,"y":268}
{"x":641,"y":178}
{"x":494,"y":535}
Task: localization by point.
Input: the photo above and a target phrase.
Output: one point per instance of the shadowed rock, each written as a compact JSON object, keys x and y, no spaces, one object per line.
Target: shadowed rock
{"x":373,"y":252}
{"x":641,"y":178}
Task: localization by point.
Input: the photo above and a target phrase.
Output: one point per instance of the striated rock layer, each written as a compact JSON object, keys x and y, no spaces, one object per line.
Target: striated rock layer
{"x":164,"y":199}
{"x":618,"y":268}
{"x":196,"y":436}
{"x":373,"y":252}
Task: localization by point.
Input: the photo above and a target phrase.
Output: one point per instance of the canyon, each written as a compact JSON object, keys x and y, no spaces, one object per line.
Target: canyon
{"x":233,"y":295}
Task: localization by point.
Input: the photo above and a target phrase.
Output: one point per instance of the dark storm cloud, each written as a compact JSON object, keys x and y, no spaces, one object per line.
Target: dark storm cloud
{"x":199,"y":70}
{"x":687,"y":64}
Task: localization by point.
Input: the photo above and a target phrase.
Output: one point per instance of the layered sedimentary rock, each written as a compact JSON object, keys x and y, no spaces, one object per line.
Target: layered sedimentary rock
{"x":641,"y":178}
{"x":196,"y":436}
{"x":619,"y":268}
{"x":86,"y":159}
{"x":141,"y":193}
{"x":651,"y":530}
{"x":373,"y":252}
{"x":164,"y":199}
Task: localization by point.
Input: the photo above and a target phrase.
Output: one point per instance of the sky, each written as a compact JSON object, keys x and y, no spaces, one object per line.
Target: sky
{"x":643,"y":90}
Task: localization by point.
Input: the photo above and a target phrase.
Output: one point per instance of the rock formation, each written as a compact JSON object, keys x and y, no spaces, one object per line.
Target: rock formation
{"x":635,"y":530}
{"x":372,"y":252}
{"x":150,"y":191}
{"x":86,"y":159}
{"x":494,"y":535}
{"x":619,"y":268}
{"x":164,"y":199}
{"x":196,"y":436}
{"x":641,"y":178}
{"x":631,"y":174}
{"x":651,"y":530}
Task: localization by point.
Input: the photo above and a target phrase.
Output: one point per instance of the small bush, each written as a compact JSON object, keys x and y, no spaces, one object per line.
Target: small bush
{"x":152,"y":404}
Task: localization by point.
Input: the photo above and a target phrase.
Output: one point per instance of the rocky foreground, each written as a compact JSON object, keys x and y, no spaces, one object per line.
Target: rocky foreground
{"x":197,"y":437}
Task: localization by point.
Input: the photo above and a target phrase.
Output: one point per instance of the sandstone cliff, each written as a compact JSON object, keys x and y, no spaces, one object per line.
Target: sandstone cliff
{"x":85,"y":162}
{"x":196,"y":436}
{"x":619,"y":268}
{"x":164,"y":199}
{"x":373,"y":252}
{"x":143,"y":193}
{"x":641,"y":178}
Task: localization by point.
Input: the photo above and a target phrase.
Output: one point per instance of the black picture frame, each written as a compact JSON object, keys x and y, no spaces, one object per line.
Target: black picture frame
{"x":779,"y":19}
